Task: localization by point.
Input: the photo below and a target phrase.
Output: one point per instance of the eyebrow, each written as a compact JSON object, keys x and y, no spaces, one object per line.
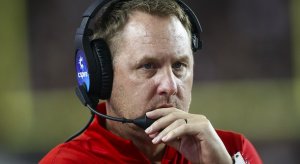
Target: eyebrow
{"x":145,"y":59}
{"x":184,"y":58}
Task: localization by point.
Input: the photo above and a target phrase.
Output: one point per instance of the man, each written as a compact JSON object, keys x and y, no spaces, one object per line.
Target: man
{"x":150,"y":44}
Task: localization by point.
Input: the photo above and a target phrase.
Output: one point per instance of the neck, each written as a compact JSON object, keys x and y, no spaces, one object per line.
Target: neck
{"x":139,"y":138}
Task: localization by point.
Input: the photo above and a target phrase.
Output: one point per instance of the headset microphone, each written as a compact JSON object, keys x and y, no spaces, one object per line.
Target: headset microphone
{"x":143,"y":122}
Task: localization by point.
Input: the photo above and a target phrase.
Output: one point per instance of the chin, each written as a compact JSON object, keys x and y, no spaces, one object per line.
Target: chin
{"x":139,"y":133}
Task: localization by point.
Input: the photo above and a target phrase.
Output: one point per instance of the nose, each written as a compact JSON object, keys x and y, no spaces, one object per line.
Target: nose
{"x":167,"y":84}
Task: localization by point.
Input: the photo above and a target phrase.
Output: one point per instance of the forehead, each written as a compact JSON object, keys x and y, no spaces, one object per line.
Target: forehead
{"x":141,"y":23}
{"x":150,"y":34}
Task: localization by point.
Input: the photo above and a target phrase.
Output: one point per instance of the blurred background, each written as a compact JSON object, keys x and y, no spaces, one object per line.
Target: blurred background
{"x":247,"y":77}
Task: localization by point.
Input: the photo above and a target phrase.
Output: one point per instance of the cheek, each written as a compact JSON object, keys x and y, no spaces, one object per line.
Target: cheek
{"x":185,"y":99}
{"x":120,"y":96}
{"x":186,"y":89}
{"x":130,"y":96}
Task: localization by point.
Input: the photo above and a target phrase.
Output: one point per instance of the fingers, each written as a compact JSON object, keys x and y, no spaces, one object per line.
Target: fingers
{"x":153,"y":135}
{"x":166,"y":117}
{"x":168,"y":131}
{"x":173,"y":124}
{"x":164,"y":128}
{"x":174,"y":133}
{"x":159,"y":112}
{"x":191,"y":134}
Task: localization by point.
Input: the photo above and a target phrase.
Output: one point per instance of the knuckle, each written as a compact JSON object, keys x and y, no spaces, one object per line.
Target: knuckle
{"x":204,"y":117}
{"x":206,"y":123}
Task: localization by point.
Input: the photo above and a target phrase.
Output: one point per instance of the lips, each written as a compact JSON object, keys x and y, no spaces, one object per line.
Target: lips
{"x":165,"y":106}
{"x":161,"y":106}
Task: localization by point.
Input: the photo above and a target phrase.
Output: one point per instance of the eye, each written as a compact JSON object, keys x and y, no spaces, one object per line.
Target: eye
{"x":147,"y":70}
{"x":178,"y":65}
{"x":179,"y":69}
{"x":148,"y":66}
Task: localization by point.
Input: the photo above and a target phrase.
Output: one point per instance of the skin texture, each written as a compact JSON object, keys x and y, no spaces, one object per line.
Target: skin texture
{"x":153,"y":75}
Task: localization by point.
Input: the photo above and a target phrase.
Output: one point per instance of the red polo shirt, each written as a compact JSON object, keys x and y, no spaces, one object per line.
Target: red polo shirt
{"x":98,"y":145}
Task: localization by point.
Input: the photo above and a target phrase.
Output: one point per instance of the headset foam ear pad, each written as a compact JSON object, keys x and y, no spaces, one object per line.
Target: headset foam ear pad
{"x":104,"y":65}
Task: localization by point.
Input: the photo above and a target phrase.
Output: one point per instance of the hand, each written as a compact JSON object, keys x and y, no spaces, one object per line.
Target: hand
{"x":190,"y":134}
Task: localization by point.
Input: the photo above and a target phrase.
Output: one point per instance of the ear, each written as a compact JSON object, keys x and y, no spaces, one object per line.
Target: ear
{"x":104,"y":65}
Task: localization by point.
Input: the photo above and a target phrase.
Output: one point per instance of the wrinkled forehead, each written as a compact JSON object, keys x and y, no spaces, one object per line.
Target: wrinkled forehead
{"x":155,"y":37}
{"x":153,"y":30}
{"x":141,"y":23}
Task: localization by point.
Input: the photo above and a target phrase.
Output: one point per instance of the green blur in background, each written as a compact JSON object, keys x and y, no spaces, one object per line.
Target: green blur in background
{"x":263,"y":110}
{"x":16,"y":99}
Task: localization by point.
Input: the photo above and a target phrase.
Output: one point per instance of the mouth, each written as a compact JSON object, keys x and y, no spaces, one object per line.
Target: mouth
{"x":161,"y":106}
{"x":165,"y":106}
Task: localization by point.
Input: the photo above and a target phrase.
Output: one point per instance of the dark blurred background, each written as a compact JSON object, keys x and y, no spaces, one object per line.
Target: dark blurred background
{"x":246,"y":76}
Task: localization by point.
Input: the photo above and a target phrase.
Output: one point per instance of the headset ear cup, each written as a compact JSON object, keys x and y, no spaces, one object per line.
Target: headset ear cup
{"x":104,"y":62}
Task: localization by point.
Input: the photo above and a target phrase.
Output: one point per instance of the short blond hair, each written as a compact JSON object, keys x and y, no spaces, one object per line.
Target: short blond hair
{"x":114,"y":17}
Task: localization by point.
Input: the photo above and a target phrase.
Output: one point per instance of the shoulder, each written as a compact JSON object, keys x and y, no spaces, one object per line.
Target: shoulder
{"x":232,"y":140}
{"x":236,"y":142}
{"x":71,"y":152}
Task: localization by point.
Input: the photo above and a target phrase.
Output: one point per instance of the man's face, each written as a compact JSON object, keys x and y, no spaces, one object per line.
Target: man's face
{"x":153,"y":67}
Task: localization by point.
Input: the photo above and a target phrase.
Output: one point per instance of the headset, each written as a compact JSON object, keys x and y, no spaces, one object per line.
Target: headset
{"x":94,"y":66}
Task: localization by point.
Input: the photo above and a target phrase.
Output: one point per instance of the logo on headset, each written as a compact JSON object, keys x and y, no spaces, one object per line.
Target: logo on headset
{"x":80,"y":62}
{"x":83,"y":73}
{"x":83,"y":76}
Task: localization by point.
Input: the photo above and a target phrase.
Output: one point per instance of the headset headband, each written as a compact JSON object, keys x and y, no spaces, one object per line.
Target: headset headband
{"x":83,"y":32}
